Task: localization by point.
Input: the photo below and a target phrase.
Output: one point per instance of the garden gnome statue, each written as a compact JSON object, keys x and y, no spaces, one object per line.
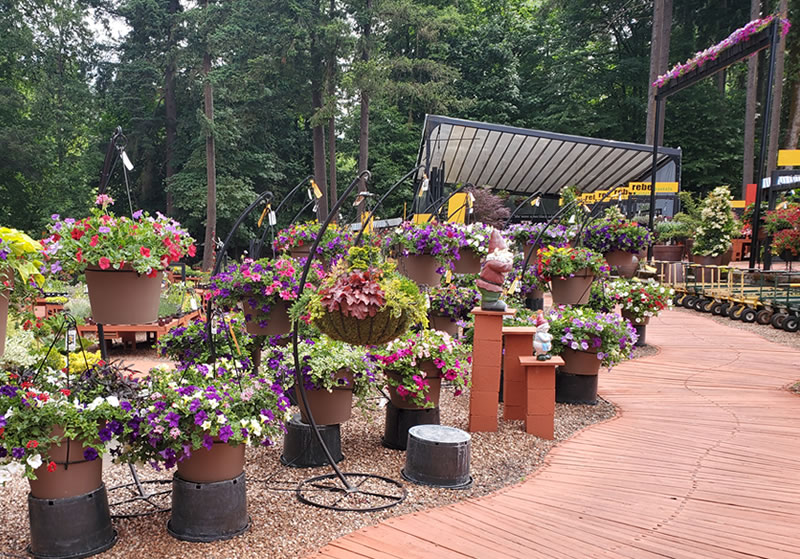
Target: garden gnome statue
{"x":542,"y":340}
{"x":497,"y":264}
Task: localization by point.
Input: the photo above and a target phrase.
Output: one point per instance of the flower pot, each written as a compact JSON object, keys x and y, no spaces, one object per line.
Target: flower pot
{"x":636,"y":322}
{"x":578,"y":362}
{"x":73,"y":475}
{"x":420,"y":268}
{"x":274,"y":323}
{"x":300,"y":251}
{"x":526,"y":250}
{"x":624,"y":263}
{"x":373,"y":330}
{"x":123,"y":296}
{"x":221,"y":463}
{"x":434,"y":391}
{"x":468,"y":263}
{"x":668,"y":253}
{"x":573,"y":290}
{"x":329,"y":408}
{"x":443,"y":323}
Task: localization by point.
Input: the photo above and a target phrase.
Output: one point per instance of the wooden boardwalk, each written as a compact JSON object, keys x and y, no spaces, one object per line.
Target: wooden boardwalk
{"x":701,"y":463}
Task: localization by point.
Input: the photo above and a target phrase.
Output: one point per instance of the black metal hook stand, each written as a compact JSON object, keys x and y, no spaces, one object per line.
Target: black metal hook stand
{"x":271,"y":229}
{"x":356,"y":496}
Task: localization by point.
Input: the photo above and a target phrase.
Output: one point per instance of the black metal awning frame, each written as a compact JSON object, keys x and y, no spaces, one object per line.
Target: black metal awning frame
{"x":768,"y":37}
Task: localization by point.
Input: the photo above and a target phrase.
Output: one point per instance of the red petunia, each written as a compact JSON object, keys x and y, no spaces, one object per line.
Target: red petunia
{"x":32,"y":444}
{"x":144,"y":251}
{"x":65,"y":391}
{"x":192,"y":250}
{"x":51,"y":467}
{"x":79,"y":255}
{"x":93,"y":241}
{"x":77,"y":233}
{"x":104,"y":263}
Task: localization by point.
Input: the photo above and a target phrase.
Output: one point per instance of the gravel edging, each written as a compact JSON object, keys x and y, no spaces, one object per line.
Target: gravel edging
{"x":284,"y":528}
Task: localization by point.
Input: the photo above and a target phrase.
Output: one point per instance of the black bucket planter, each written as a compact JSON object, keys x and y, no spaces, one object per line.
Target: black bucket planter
{"x":207,"y":512}
{"x":72,"y":527}
{"x":399,"y":421}
{"x":642,"y":332}
{"x":301,"y":448}
{"x":534,"y":303}
{"x":438,"y":456}
{"x":576,"y":389}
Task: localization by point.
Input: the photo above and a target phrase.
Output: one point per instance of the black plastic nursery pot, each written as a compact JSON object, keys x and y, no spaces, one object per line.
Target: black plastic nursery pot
{"x":71,"y":527}
{"x":301,"y":448}
{"x":438,"y":456}
{"x":399,"y":421}
{"x":576,"y":389}
{"x":641,"y":331}
{"x":207,"y":512}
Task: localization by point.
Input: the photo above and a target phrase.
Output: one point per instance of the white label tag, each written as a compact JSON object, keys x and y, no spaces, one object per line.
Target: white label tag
{"x":71,"y":340}
{"x":193,"y":303}
{"x":272,"y":218}
{"x":126,"y":161}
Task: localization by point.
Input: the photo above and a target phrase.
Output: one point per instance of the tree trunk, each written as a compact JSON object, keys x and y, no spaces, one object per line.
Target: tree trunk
{"x":170,"y":105}
{"x":659,"y":59}
{"x":793,"y":134}
{"x":332,"y":121}
{"x":751,"y":97}
{"x":363,"y":135}
{"x":777,"y":96}
{"x":211,"y":168}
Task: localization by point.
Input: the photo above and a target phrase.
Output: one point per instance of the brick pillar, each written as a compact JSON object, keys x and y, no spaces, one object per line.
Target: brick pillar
{"x":487,"y":358}
{"x":540,"y":392}
{"x":518,"y":343}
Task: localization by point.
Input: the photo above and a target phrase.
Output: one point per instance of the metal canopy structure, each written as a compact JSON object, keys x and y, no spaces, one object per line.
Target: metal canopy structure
{"x":524,"y":161}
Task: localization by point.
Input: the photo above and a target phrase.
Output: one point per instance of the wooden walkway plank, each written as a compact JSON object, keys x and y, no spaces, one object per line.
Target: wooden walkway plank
{"x":700,"y":464}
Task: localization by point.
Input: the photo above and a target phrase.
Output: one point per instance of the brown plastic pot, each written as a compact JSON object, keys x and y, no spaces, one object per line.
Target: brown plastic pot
{"x":221,"y":463}
{"x":434,"y":392}
{"x":73,"y":476}
{"x":278,"y":321}
{"x":123,"y":296}
{"x":578,"y":362}
{"x":469,"y":263}
{"x":668,"y":253}
{"x":572,"y":290}
{"x":625,"y":263}
{"x":443,"y":323}
{"x":329,"y":408}
{"x":420,"y":268}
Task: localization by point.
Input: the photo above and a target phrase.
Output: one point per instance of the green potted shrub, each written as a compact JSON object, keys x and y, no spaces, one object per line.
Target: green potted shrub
{"x":713,"y":235}
{"x":669,"y":235}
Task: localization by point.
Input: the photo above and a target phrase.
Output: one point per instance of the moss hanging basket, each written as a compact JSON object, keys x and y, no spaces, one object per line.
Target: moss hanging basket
{"x":372,"y":330}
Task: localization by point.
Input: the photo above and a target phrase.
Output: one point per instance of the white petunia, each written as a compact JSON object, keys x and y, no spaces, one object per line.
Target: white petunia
{"x":113,"y":401}
{"x":34,"y":461}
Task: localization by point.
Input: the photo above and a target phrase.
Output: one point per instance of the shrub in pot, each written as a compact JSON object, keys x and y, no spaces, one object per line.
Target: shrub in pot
{"x":363,"y":300}
{"x":122,"y":258}
{"x":717,"y":223}
{"x":415,"y":364}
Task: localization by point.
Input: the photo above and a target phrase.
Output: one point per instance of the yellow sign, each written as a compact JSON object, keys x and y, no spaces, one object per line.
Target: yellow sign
{"x":738,"y":203}
{"x":457,"y":208}
{"x":788,"y":157}
{"x":368,"y":228}
{"x":421,"y":218}
{"x":625,"y":192}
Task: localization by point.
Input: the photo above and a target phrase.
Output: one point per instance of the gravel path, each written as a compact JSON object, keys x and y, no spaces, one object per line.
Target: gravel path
{"x":284,"y":528}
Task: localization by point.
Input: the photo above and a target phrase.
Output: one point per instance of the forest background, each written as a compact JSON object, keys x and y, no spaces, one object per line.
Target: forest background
{"x":254,"y":95}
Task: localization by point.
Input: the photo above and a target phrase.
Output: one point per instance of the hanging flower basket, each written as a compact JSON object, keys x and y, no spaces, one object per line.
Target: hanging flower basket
{"x":364,"y":301}
{"x":123,"y":296}
{"x":570,"y":272}
{"x":419,"y":268}
{"x":437,"y":243}
{"x":572,"y":290}
{"x":579,"y":362}
{"x":443,"y":324}
{"x":469,"y":262}
{"x":624,"y":263}
{"x":273,"y":322}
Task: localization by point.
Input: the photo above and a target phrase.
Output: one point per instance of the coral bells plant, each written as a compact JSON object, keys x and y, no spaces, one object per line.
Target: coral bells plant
{"x":364,"y":301}
{"x":563,"y":262}
{"x":582,"y":329}
{"x":93,"y":407}
{"x":301,"y":236}
{"x":402,"y":360}
{"x":440,"y":240}
{"x":614,"y":232}
{"x":185,"y":410}
{"x":639,"y":299}
{"x":261,"y":284}
{"x":102,"y":240}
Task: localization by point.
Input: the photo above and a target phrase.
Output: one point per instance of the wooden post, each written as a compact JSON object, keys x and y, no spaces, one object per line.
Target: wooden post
{"x":487,"y":358}
{"x":540,"y":392}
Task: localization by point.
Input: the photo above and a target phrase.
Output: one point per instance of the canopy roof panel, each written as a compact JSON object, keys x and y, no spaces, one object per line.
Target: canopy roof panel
{"x":525,"y":161}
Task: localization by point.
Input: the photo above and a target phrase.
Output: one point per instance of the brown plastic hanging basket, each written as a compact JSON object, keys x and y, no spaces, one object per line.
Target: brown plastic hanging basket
{"x":123,"y":296}
{"x":373,"y":330}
